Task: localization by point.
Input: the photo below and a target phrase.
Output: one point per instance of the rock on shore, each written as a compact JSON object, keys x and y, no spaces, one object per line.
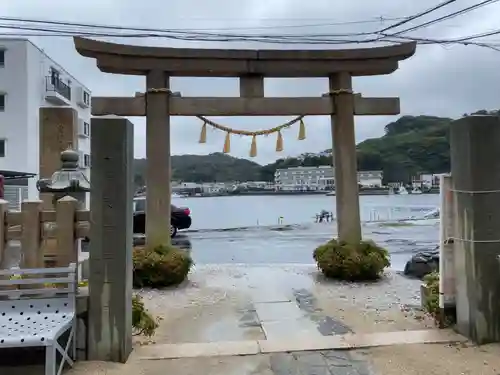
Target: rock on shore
{"x":422,"y":264}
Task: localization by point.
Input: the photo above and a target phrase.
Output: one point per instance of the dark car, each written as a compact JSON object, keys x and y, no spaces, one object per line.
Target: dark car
{"x":180,"y":217}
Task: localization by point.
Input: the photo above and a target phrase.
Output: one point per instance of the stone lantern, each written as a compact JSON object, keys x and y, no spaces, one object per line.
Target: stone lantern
{"x":68,"y":180}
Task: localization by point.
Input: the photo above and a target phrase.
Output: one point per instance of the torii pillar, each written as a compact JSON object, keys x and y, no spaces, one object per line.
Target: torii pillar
{"x":158,"y":165}
{"x":346,"y":170}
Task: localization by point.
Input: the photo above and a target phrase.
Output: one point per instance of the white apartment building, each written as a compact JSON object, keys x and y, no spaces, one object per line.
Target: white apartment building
{"x":370,"y":178}
{"x":303,"y":178}
{"x":29,"y":80}
{"x":319,"y":178}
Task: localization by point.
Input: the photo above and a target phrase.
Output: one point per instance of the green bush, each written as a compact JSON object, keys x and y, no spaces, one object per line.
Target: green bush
{"x":160,"y":267}
{"x":142,"y":322}
{"x":351,"y":262}
{"x":431,"y":304}
{"x":443,"y":318}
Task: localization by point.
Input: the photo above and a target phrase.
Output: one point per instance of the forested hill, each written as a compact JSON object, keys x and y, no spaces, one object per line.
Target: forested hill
{"x":206,"y":168}
{"x":410,"y":145}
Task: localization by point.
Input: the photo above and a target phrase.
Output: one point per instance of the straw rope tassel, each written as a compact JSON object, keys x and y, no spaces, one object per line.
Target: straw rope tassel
{"x":203,"y":134}
{"x":279,"y":142}
{"x":302,"y":130}
{"x":253,"y":148}
{"x":227,"y":143}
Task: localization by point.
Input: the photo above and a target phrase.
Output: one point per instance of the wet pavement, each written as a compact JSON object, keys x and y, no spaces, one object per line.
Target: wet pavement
{"x":295,"y":363}
{"x":294,"y":243}
{"x":258,"y":282}
{"x":252,"y":302}
{"x":235,"y":302}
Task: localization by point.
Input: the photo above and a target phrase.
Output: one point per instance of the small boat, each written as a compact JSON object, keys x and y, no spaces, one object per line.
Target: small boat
{"x":331,"y":193}
{"x":434,"y":214}
{"x":416,"y":190}
{"x":402,"y":190}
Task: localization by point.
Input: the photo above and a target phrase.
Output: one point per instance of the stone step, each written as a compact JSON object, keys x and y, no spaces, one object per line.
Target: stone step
{"x":304,"y":343}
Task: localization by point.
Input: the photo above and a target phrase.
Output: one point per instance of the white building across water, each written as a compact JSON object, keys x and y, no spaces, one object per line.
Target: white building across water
{"x":31,"y":80}
{"x":319,"y":178}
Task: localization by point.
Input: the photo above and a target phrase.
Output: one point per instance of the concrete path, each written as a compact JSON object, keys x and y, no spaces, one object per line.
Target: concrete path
{"x":240,"y":303}
{"x":267,"y":357}
{"x":300,"y":343}
{"x":269,"y":320}
{"x":303,"y":363}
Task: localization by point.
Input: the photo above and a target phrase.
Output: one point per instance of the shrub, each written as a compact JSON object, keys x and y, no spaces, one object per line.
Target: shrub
{"x":160,"y":267}
{"x":431,"y":300}
{"x":351,"y":262}
{"x":142,"y":322}
{"x":445,"y":318}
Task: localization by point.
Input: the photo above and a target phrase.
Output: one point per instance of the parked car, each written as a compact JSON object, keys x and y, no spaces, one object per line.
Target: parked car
{"x":180,"y":217}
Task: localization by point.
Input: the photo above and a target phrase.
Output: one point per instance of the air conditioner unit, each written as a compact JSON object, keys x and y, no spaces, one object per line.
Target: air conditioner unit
{"x":82,"y":97}
{"x":83,"y":128}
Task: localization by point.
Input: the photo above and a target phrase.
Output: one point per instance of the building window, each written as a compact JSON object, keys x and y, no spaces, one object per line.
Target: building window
{"x":2,"y":102}
{"x":86,"y":129}
{"x":86,"y":97}
{"x":86,"y":160}
{"x":2,"y":58}
{"x":2,"y":148}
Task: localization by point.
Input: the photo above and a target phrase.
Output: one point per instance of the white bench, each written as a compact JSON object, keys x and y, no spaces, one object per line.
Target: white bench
{"x":38,"y":315}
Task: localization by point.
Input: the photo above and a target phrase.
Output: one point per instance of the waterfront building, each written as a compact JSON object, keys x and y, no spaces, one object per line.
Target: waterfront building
{"x":30,"y":80}
{"x":303,"y":178}
{"x":427,"y":180}
{"x":319,"y":178}
{"x":370,"y":178}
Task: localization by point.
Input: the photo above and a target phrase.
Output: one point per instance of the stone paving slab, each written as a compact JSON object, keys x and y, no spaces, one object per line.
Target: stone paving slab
{"x":275,"y":311}
{"x":303,"y":363}
{"x":356,"y":341}
{"x":290,"y":329}
{"x":305,"y":343}
{"x":193,"y":350}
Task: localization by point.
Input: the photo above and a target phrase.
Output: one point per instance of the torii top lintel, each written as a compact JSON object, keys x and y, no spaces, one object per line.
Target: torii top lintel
{"x":138,"y":60}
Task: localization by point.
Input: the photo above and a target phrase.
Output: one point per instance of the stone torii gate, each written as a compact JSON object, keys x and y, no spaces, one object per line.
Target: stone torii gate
{"x":251,"y":67}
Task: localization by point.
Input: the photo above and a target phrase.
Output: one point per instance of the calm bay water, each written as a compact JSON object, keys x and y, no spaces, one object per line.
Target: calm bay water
{"x":245,"y":229}
{"x":243,"y":211}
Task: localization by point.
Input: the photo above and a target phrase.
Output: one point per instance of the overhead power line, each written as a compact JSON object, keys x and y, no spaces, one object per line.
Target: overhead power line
{"x":447,"y":17}
{"x":152,"y":32}
{"x":418,"y":15}
{"x":305,"y":41}
{"x":36,"y":27}
{"x":143,"y":29}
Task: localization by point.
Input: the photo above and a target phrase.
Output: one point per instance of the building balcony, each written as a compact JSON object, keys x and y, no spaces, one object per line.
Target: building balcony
{"x":56,"y":91}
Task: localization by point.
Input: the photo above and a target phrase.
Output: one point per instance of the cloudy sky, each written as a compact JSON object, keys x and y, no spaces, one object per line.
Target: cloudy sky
{"x":438,"y":80}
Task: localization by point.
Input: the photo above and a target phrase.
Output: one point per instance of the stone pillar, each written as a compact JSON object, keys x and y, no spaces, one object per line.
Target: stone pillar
{"x":110,"y":279}
{"x":158,"y":170}
{"x":58,"y":130}
{"x":346,"y":170}
{"x":475,"y":162}
{"x":447,"y":296}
